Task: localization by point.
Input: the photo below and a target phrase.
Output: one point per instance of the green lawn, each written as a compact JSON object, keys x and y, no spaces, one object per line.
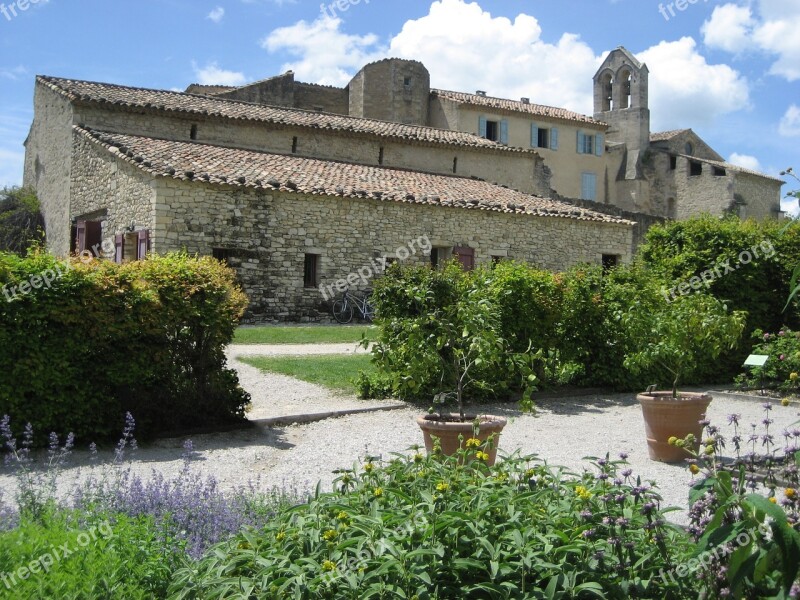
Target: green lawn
{"x":335,"y":371}
{"x":319,"y":334}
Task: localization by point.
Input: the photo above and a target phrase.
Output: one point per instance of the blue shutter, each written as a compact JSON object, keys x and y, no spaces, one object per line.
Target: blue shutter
{"x":504,"y":131}
{"x":534,"y":136}
{"x":599,"y":144}
{"x":553,"y":139}
{"x":482,"y":127}
{"x":588,"y":186}
{"x":580,"y":142}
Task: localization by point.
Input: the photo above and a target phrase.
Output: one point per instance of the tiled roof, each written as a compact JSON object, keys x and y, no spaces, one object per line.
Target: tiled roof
{"x":180,"y":102}
{"x":539,"y":110}
{"x":730,"y":167}
{"x":208,"y":90}
{"x":663,"y":136}
{"x":191,"y":161}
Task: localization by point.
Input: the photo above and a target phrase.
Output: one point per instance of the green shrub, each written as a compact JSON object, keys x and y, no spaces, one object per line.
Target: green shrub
{"x":782,"y":369}
{"x":21,"y":220}
{"x":70,"y":555}
{"x":102,"y":339}
{"x":429,"y":527}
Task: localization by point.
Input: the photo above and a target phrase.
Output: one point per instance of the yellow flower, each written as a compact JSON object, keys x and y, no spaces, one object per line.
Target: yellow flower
{"x":694,"y":469}
{"x":785,"y":402}
{"x":530,"y":473}
{"x":773,"y":500}
{"x":793,"y":376}
{"x":378,"y":492}
{"x":328,"y":565}
{"x":342,"y":516}
{"x":473,"y":443}
{"x":583,"y":493}
{"x":280,"y":536}
{"x":482,"y":456}
{"x":329,"y":535}
{"x":790,"y":493}
{"x":368,"y":467}
{"x":442,"y":487}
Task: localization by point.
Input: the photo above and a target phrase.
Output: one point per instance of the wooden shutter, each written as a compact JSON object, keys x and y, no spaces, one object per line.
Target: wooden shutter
{"x":580,"y":143}
{"x":599,"y":144}
{"x":588,"y":186}
{"x":482,"y":126}
{"x":504,"y":131}
{"x":119,"y":248}
{"x":553,"y":138}
{"x":143,"y":245}
{"x":534,"y":135}
{"x":466,"y":256}
{"x":80,"y":246}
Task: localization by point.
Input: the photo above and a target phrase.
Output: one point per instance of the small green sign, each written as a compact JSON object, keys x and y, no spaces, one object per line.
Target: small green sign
{"x":756,"y":360}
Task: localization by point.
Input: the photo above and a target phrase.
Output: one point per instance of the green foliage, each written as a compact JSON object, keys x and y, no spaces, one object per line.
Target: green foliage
{"x":21,"y":220}
{"x":748,"y":265}
{"x":782,"y":369}
{"x":441,"y":335}
{"x":452,"y":528}
{"x":77,"y":556}
{"x":678,"y":336}
{"x":101,"y":339}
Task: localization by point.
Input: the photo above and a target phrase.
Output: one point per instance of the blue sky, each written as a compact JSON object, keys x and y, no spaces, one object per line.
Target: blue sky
{"x":728,"y":69}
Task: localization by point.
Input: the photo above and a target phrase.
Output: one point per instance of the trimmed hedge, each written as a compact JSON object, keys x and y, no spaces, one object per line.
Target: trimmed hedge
{"x":102,"y":339}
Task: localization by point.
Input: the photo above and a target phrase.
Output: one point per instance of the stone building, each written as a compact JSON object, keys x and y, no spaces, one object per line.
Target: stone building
{"x":299,"y":186}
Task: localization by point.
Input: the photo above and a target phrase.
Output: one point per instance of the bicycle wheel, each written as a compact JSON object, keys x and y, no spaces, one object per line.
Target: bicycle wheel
{"x":342,"y":311}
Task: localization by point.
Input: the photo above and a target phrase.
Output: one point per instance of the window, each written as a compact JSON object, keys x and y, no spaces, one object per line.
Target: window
{"x":455,"y":165}
{"x":193,"y":132}
{"x":590,"y":144}
{"x":610,"y":261}
{"x":673,"y":162}
{"x":688,"y":148}
{"x":294,"y":145}
{"x":588,"y":186}
{"x":311,"y":271}
{"x":497,"y":131}
{"x":380,"y":156}
{"x":131,"y":246}
{"x":719,"y":172}
{"x":541,"y":137}
{"x":672,"y":210}
{"x":439,"y":256}
{"x":466,"y":256}
{"x":695,"y":168}
{"x":221,"y":254}
{"x":89,"y":237}
{"x":407,"y":82}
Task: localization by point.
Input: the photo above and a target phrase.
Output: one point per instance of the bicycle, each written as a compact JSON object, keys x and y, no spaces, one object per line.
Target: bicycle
{"x":344,"y":308}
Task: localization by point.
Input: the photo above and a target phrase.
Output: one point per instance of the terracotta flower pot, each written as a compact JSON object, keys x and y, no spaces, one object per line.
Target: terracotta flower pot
{"x":665,"y":417}
{"x":449,"y":429}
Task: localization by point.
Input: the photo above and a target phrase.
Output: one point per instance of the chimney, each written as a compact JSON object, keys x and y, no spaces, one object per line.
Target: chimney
{"x":526,"y":100}
{"x":481,"y":93}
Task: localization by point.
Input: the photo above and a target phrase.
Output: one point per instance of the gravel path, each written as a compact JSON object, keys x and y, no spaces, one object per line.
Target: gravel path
{"x":298,"y":456}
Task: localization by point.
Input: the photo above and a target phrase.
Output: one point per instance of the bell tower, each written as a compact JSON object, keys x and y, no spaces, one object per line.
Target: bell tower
{"x":620,"y":100}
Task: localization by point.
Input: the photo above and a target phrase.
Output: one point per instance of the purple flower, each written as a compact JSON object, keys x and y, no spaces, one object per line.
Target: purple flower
{"x":733,"y":419}
{"x":627,"y":472}
{"x":781,"y":333}
{"x":767,"y":405}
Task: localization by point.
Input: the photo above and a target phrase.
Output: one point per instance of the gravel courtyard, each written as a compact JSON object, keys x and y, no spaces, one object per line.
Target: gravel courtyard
{"x":562,"y":432}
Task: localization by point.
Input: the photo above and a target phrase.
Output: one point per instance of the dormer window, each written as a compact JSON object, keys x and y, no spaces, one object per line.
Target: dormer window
{"x":688,"y":149}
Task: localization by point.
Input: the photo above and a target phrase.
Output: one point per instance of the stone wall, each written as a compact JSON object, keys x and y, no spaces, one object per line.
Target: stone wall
{"x":48,"y":153}
{"x":321,"y":97}
{"x":269,"y":234}
{"x":762,"y":196}
{"x":391,"y":90}
{"x":277,"y":91}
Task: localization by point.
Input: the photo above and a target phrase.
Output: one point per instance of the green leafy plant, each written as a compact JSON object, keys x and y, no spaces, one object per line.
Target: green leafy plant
{"x":677,"y":335}
{"x":21,"y":220}
{"x":451,"y":527}
{"x":782,"y":369}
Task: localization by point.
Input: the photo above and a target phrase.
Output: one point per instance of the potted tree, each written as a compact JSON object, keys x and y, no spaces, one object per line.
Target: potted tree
{"x":441,"y":335}
{"x":676,"y":337}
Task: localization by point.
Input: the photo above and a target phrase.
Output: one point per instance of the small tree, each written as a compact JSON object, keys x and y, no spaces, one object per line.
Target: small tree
{"x":21,"y":221}
{"x":675,"y":337}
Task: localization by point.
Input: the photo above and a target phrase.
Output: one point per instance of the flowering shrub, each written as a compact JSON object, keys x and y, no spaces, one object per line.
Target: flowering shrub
{"x":448,"y":527}
{"x":783,"y":366}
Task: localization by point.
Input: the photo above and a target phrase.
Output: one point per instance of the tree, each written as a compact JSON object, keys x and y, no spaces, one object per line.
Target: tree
{"x":21,"y":220}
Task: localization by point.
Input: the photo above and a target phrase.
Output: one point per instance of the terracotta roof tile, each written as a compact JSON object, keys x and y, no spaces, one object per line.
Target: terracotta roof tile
{"x":181,"y":102}
{"x":539,"y":110}
{"x":191,"y":161}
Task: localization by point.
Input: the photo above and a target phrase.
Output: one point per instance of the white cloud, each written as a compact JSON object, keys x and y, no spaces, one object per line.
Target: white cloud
{"x":790,"y":205}
{"x":15,"y":73}
{"x":686,"y":91}
{"x":790,"y":123}
{"x":729,"y":28}
{"x":745,"y":161}
{"x":216,"y":14}
{"x":465,"y":48}
{"x":211,"y":74}
{"x":326,"y":55}
{"x":774,"y":32}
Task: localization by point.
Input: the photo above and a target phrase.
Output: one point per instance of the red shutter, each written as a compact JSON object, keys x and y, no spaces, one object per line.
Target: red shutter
{"x":144,"y":244}
{"x":81,"y":237}
{"x":466,"y":256}
{"x":119,"y":248}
